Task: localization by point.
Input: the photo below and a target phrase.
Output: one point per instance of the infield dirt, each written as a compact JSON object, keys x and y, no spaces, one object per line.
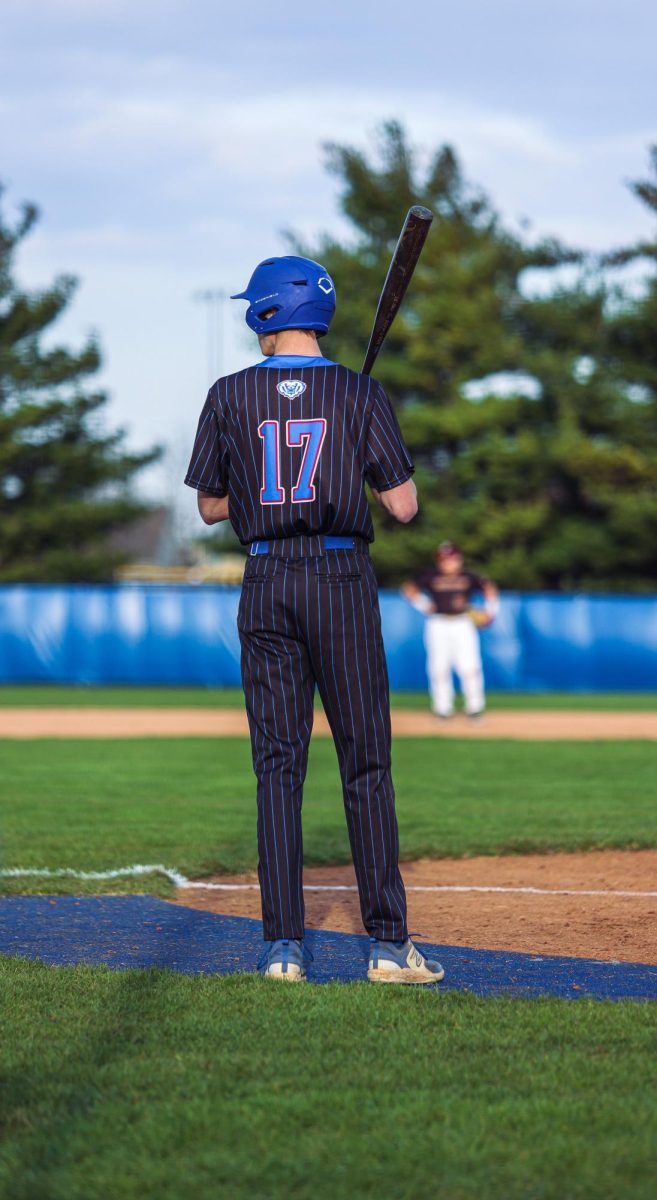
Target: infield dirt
{"x":600,"y":926}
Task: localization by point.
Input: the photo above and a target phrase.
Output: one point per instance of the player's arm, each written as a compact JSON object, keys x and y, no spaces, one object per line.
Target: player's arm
{"x":209,"y":465}
{"x":388,"y":465}
{"x":212,"y":508}
{"x":400,"y":502}
{"x":487,"y":589}
{"x":418,"y":597}
{"x":410,"y":590}
{"x":491,"y":599}
{"x":490,"y":591}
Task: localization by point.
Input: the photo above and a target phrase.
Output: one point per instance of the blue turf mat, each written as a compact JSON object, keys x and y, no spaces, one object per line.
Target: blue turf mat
{"x":141,"y":931}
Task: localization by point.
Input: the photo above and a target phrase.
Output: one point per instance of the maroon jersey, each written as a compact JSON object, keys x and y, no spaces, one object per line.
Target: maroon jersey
{"x":450,"y":594}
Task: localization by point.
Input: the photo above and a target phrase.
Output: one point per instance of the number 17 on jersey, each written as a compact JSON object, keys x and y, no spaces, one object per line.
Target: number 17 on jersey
{"x":309,"y":434}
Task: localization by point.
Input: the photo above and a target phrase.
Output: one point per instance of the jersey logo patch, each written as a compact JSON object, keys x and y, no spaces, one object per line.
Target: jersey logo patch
{"x":325,"y":284}
{"x":291,"y":388}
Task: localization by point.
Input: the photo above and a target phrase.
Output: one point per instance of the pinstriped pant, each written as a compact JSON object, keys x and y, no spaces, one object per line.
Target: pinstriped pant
{"x":314,"y":620}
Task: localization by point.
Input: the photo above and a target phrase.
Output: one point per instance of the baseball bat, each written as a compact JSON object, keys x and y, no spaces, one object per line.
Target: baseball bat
{"x":403,"y":263}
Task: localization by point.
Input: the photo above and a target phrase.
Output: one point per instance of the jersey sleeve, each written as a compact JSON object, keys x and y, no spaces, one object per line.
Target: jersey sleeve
{"x":209,"y":463}
{"x":424,"y":580}
{"x":387,"y":460}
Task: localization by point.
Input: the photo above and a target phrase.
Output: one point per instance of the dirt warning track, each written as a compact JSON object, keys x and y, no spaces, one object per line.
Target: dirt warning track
{"x":43,"y":722}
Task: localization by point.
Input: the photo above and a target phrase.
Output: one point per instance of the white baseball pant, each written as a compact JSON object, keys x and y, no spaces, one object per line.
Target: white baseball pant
{"x":452,"y":643}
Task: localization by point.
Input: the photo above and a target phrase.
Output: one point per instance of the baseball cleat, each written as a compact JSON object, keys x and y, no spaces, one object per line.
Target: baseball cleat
{"x":286,"y":959}
{"x":401,"y":962}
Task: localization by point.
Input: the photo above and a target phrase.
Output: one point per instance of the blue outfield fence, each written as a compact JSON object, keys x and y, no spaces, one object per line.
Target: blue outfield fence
{"x":186,"y":635}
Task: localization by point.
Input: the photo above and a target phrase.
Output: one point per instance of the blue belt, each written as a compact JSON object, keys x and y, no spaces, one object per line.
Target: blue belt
{"x":330,"y":543}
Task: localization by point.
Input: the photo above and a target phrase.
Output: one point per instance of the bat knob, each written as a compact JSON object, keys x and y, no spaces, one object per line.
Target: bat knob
{"x":422,"y":213}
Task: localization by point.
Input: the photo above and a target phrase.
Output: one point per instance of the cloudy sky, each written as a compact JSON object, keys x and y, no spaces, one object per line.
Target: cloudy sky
{"x":169,"y":143}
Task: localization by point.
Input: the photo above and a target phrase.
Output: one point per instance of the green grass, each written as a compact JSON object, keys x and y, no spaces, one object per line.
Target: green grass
{"x":134,"y":1084}
{"x":131,"y":1085}
{"x":190,"y":803}
{"x":173,"y":697}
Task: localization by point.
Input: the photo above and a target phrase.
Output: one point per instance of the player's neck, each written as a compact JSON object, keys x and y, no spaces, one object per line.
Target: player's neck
{"x":296,"y":341}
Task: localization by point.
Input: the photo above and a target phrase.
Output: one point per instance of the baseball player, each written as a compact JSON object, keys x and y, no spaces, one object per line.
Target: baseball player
{"x":444,"y":594}
{"x":283,"y":450}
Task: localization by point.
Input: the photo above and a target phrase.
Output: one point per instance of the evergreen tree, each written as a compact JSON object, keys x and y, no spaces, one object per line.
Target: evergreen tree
{"x":631,"y":343}
{"x":536,"y":483}
{"x":64,"y":481}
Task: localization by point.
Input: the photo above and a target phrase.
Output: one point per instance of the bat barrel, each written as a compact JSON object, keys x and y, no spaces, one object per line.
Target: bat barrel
{"x":404,"y":260}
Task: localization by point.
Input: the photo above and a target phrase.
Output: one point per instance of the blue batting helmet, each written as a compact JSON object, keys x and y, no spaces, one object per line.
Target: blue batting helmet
{"x":300,"y":291}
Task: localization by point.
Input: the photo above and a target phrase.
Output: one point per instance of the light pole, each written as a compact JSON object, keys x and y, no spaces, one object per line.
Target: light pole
{"x":213,"y":299}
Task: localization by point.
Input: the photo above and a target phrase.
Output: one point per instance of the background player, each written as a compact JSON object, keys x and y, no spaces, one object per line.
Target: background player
{"x":283,"y":449}
{"x":444,"y":593}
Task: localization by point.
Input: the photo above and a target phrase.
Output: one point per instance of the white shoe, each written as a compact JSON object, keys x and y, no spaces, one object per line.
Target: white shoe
{"x":394,"y":962}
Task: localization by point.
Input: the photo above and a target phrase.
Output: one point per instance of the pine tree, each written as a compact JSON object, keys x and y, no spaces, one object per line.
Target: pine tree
{"x":64,"y":480}
{"x":537,"y":482}
{"x":631,"y":343}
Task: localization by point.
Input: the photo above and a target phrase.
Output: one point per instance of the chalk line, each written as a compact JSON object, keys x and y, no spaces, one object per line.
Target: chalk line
{"x":181,"y":881}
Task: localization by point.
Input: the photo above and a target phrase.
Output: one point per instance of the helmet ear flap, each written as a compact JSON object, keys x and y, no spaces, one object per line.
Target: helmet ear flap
{"x":271,"y":309}
{"x":297,"y":293}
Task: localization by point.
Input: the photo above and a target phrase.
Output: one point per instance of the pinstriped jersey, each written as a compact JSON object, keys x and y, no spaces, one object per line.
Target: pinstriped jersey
{"x":292,"y":442}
